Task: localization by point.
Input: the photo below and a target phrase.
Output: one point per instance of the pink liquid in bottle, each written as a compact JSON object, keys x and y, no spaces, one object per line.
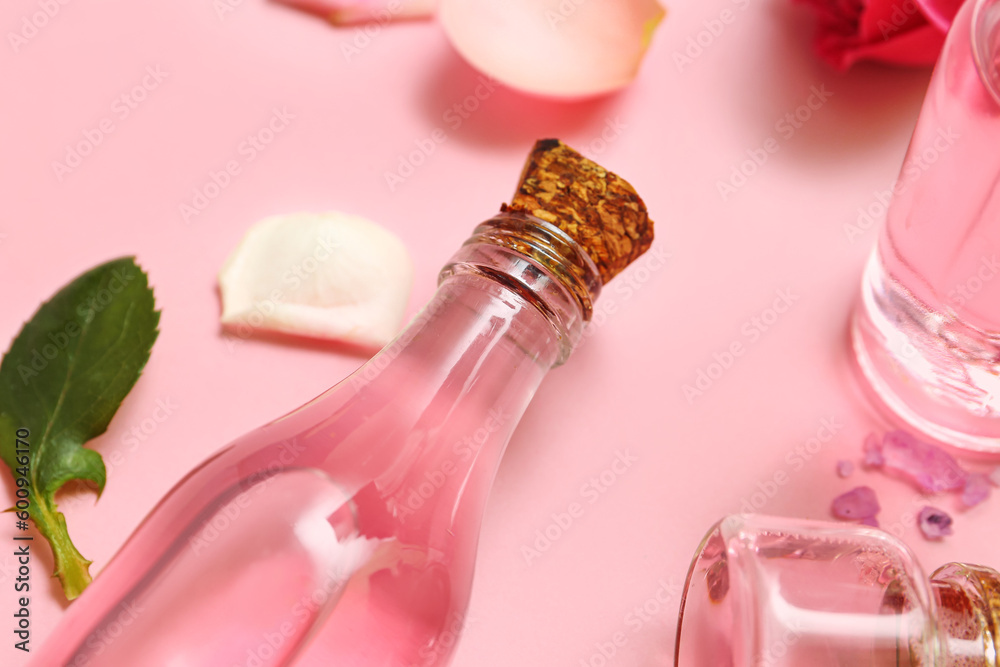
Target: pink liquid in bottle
{"x":347,"y":530}
{"x":927,"y":332}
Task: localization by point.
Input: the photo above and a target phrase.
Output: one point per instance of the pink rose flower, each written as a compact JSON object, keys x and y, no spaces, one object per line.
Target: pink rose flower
{"x":897,"y":32}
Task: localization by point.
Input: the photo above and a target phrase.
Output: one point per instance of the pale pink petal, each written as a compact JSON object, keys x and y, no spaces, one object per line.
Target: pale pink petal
{"x":873,"y":451}
{"x":858,"y":504}
{"x":560,"y":48}
{"x":977,"y":489}
{"x":925,"y":465}
{"x":349,"y":12}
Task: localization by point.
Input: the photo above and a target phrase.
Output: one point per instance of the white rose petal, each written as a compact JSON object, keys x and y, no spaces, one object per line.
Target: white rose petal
{"x":322,"y":275}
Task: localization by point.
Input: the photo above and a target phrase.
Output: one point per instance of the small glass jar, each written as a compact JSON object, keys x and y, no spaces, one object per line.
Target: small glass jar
{"x":774,"y":592}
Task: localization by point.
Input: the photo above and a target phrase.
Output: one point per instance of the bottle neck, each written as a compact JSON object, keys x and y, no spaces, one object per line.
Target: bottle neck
{"x":968,"y":614}
{"x":436,"y":407}
{"x":539,"y":263}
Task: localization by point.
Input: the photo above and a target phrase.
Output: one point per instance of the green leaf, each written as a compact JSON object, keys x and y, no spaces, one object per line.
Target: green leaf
{"x":62,"y":380}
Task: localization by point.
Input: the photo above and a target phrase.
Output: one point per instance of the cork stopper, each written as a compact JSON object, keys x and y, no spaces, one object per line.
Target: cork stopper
{"x":597,"y":208}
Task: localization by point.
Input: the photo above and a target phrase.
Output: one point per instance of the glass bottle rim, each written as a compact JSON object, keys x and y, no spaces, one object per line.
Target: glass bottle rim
{"x":985,"y":44}
{"x":548,"y":245}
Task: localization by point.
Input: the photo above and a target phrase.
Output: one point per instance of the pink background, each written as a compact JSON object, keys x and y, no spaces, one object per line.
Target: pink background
{"x":683,"y":130}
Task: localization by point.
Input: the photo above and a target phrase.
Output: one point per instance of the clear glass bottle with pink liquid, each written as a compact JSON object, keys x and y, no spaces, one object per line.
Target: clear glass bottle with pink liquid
{"x":772,"y":592}
{"x":348,"y":528}
{"x":927,"y":333}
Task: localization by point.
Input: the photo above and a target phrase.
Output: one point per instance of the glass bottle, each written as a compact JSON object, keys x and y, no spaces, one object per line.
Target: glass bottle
{"x":774,"y":592}
{"x":350,"y":524}
{"x":927,"y":330}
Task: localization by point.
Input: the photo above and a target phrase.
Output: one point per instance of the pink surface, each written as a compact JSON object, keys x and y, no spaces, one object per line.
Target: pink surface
{"x":675,"y":134}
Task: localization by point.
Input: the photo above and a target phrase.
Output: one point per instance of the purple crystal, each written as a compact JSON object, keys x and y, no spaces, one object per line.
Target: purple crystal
{"x":995,"y":476}
{"x":873,"y":452}
{"x":934,"y":523}
{"x":857,"y":504}
{"x":870,"y":521}
{"x":977,"y":489}
{"x":845,"y":468}
{"x":928,"y":467}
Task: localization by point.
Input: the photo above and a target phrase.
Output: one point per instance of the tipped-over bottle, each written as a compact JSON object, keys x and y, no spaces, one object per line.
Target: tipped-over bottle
{"x":764,"y":591}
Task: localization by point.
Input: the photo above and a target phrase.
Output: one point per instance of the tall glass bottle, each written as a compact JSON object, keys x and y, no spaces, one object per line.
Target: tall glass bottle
{"x":926,"y":332}
{"x":775,"y":592}
{"x":351,"y":523}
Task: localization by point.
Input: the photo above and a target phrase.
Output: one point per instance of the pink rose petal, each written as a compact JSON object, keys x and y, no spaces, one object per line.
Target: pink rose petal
{"x":873,"y":451}
{"x":350,"y":12}
{"x":977,"y":489}
{"x":926,"y":466}
{"x":857,"y":504}
{"x":934,"y":523}
{"x":560,"y":48}
{"x":845,"y":468}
